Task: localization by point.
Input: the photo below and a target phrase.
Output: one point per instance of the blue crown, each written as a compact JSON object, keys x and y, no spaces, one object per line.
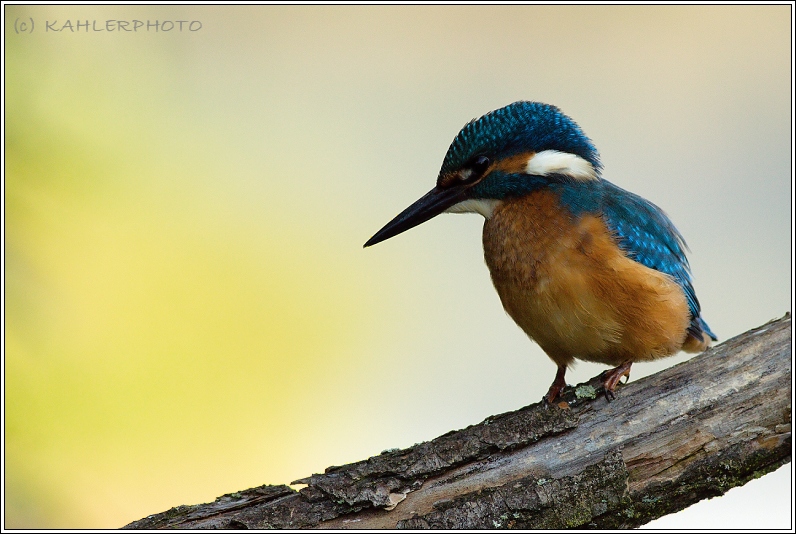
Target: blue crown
{"x":519,"y":127}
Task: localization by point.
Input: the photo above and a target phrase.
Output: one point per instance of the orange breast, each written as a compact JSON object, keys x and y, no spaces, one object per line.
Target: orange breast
{"x":567,"y":284}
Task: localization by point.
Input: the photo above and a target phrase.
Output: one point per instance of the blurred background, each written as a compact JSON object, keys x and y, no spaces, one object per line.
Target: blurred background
{"x":189,"y":310}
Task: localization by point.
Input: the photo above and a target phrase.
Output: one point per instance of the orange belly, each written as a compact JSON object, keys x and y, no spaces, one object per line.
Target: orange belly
{"x":568,"y":285}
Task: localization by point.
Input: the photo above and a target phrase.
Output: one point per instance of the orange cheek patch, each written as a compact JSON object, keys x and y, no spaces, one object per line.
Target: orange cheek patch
{"x":512,"y":165}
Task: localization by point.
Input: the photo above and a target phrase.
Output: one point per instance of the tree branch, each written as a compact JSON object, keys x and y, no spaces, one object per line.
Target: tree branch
{"x":669,"y":440}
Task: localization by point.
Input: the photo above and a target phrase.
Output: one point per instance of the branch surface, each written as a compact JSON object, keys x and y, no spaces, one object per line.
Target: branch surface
{"x":687,"y":433}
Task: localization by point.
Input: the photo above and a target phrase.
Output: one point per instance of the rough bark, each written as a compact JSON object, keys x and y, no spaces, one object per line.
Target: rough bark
{"x":669,"y":440}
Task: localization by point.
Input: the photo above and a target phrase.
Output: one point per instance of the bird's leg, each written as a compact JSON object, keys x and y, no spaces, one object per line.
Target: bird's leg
{"x":611,"y":379}
{"x":558,"y":384}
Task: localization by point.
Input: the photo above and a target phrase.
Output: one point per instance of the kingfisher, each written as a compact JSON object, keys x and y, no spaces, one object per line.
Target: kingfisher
{"x":587,"y":270}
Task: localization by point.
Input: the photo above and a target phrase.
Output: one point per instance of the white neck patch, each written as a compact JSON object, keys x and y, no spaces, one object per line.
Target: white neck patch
{"x":484,"y":206}
{"x":555,"y":162}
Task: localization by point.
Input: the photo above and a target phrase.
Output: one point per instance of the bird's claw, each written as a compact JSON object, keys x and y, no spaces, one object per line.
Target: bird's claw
{"x":613,"y":377}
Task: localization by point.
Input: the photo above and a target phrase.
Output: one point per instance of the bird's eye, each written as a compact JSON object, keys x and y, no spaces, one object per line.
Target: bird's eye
{"x":480,"y":164}
{"x":469,"y":173}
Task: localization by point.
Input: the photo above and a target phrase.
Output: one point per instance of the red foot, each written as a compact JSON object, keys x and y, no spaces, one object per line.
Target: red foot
{"x":558,"y":384}
{"x":611,"y":379}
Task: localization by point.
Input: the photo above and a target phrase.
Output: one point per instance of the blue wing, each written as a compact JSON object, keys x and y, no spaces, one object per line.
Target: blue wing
{"x":647,"y":235}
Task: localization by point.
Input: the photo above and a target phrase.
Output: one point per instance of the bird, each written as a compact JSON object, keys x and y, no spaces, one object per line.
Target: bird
{"x":588,"y":270}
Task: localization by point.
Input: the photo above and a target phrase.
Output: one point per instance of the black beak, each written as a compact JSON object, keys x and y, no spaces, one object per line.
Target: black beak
{"x":428,"y":206}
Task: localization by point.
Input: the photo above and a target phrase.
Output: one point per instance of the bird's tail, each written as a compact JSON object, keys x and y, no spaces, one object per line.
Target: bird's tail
{"x":699,"y":336}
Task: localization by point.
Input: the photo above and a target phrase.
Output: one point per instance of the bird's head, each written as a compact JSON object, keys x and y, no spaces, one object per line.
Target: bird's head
{"x":508,"y":152}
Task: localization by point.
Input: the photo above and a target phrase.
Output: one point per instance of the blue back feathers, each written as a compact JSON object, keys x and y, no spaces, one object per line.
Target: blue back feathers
{"x":647,"y":236}
{"x":642,"y":231}
{"x":519,"y":127}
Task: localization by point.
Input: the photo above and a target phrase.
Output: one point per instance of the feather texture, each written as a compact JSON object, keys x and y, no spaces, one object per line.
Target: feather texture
{"x":647,"y":235}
